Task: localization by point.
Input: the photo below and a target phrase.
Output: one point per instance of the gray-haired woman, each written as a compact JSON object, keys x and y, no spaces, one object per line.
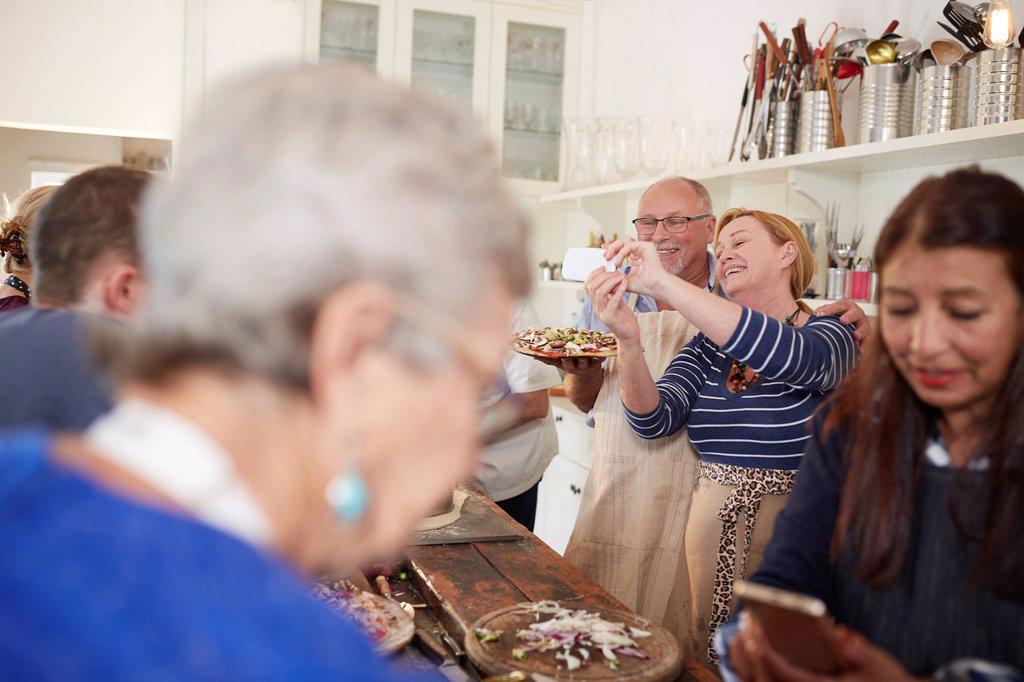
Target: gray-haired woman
{"x":273,"y":421}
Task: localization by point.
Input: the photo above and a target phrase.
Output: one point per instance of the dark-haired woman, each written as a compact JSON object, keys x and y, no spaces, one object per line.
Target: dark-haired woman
{"x":908,"y":514}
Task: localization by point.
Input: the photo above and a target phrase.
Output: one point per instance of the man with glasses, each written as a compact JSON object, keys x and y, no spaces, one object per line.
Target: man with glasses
{"x":629,"y":531}
{"x":676,"y":215}
{"x":628,"y":535}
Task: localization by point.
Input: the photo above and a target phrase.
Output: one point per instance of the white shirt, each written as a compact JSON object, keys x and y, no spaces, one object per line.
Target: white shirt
{"x":512,"y":464}
{"x":184,"y":463}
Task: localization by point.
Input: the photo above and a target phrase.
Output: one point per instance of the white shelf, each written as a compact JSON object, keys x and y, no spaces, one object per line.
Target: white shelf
{"x":954,"y":146}
{"x":561,"y":284}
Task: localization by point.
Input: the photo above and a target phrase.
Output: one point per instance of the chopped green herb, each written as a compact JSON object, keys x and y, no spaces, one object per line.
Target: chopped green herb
{"x":485,"y":635}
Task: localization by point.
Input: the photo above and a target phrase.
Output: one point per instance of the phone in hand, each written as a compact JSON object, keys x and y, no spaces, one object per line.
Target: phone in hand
{"x":579,"y":262}
{"x":797,"y":626}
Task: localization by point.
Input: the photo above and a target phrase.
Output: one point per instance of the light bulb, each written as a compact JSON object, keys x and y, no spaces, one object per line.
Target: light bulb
{"x":999,"y":28}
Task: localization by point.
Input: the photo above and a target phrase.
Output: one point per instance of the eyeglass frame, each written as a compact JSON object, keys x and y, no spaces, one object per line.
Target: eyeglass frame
{"x":495,"y":420}
{"x":658,"y":221}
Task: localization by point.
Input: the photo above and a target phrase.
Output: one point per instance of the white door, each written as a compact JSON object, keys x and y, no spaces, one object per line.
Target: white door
{"x":359,"y":31}
{"x":443,"y":47}
{"x":558,"y":502}
{"x":534,"y":84}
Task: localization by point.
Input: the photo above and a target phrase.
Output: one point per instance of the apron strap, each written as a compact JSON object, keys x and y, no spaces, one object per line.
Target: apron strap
{"x":752,"y":484}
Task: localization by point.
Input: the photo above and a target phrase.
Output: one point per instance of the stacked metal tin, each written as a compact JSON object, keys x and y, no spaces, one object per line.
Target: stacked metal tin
{"x":887,"y":93}
{"x":943,"y":98}
{"x":814,"y":128}
{"x":998,"y":94}
{"x":783,"y":131}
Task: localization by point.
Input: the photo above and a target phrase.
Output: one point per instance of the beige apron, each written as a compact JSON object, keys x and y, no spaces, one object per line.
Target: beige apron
{"x":628,"y":535}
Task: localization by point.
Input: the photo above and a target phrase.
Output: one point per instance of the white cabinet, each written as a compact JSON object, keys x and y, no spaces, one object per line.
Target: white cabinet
{"x":558,"y":502}
{"x":360,"y":31}
{"x":442,"y":47}
{"x":561,"y":489}
{"x":534,"y":84}
{"x":514,"y":63}
{"x":575,"y":438}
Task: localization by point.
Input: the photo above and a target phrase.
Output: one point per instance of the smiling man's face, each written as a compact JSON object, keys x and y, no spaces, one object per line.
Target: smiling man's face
{"x":685,"y":252}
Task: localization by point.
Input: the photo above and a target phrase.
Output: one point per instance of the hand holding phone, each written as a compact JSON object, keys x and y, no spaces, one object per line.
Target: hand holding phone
{"x":579,"y":262}
{"x":798,"y":627}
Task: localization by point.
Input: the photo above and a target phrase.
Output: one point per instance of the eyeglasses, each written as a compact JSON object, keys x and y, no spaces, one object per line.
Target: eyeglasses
{"x":495,"y":420}
{"x":673,"y":224}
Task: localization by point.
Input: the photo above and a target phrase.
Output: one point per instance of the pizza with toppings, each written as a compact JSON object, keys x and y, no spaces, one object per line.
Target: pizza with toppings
{"x":564,"y":342}
{"x":383,"y":620}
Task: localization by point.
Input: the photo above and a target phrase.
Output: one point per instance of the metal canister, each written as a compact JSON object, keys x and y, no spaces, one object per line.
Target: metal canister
{"x":836,"y":285}
{"x":943,"y":98}
{"x":873,"y":289}
{"x":783,"y":128}
{"x":998,"y":95}
{"x":814,"y":125}
{"x":887,"y":94}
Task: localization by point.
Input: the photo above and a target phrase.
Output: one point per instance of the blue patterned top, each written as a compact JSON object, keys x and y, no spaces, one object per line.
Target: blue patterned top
{"x":765,"y":426}
{"x":97,"y":587}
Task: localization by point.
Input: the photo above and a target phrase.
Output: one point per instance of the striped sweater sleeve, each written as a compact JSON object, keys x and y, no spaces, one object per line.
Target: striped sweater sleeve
{"x":678,"y":389}
{"x":816,"y":356}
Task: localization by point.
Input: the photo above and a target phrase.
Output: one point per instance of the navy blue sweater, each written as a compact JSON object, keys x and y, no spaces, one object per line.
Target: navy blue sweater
{"x":932,"y":614}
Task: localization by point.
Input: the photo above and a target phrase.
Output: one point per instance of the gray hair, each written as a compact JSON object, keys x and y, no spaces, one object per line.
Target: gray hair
{"x":304,"y":179}
{"x":703,"y":197}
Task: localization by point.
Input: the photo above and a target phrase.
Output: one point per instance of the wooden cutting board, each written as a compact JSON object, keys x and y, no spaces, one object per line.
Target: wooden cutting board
{"x":477,"y":523}
{"x":495,"y":658}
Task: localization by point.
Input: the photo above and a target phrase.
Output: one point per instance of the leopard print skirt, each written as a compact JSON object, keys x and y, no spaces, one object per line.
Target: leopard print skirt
{"x":752,"y":485}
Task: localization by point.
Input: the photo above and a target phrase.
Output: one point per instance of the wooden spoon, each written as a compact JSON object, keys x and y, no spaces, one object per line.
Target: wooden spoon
{"x":946,"y":52}
{"x":837,"y":121}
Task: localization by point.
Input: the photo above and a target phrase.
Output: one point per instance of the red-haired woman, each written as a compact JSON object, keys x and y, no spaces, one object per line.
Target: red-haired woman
{"x":908,"y":512}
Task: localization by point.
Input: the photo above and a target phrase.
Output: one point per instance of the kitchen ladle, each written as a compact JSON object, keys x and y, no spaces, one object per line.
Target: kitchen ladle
{"x":849,"y":39}
{"x":946,"y":52}
{"x":880,"y":52}
{"x":923,"y":59}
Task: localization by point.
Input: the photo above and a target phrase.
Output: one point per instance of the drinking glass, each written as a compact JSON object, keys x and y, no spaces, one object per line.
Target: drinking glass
{"x":681,"y":146}
{"x":604,"y":151}
{"x":655,"y":144}
{"x":627,"y":146}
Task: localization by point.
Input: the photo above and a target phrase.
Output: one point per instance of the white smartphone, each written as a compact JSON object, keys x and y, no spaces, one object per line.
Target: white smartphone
{"x":579,"y":262}
{"x":797,"y":626}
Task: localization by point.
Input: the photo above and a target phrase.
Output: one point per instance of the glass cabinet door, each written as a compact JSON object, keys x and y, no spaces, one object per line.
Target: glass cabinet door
{"x":534,"y":75}
{"x":442,"y":56}
{"x":442,"y":49}
{"x":349,"y":32}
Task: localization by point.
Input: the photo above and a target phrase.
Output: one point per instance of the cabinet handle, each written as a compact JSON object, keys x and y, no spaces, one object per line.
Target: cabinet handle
{"x":558,"y":417}
{"x":574,"y":489}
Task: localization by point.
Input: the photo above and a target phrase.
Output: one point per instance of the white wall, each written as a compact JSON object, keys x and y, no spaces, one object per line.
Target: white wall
{"x":670,"y":57}
{"x":18,"y":148}
{"x":108,"y":64}
{"x":244,"y":34}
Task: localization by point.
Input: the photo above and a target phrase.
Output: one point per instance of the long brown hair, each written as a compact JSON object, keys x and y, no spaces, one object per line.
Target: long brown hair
{"x":886,"y":427}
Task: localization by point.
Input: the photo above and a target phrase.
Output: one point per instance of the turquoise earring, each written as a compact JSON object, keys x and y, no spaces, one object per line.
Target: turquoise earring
{"x":348,"y":496}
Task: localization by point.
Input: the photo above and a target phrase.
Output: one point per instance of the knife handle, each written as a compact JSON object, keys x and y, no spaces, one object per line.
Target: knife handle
{"x":772,"y":43}
{"x":432,"y":646}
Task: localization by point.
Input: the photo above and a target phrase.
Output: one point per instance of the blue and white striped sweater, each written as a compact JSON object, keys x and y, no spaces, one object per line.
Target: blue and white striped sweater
{"x":765,"y":426}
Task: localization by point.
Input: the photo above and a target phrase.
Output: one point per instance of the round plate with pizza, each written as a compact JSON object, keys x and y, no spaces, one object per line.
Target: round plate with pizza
{"x":564,"y":342}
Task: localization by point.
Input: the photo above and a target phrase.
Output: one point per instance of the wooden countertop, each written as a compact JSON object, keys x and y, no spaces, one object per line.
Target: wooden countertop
{"x":466,"y":581}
